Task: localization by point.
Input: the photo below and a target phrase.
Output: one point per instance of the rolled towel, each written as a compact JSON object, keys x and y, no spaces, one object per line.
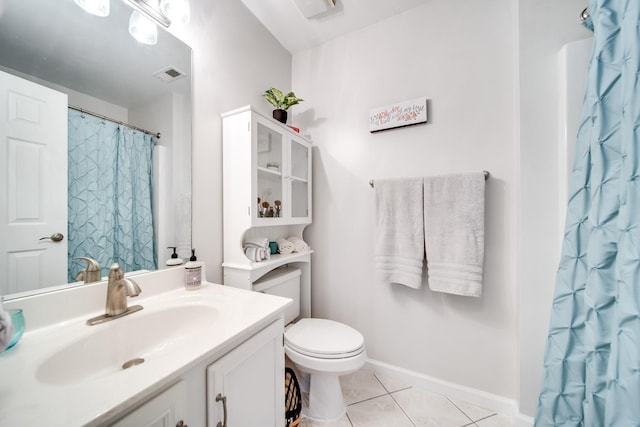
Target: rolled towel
{"x":257,"y":249}
{"x":258,"y":242}
{"x":298,"y":244}
{"x":284,"y":246}
{"x":256,"y":254}
{"x":6,"y":328}
{"x":251,"y":253}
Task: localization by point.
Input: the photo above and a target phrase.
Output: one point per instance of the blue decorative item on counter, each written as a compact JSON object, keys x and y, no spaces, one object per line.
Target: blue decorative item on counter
{"x":17,"y":319}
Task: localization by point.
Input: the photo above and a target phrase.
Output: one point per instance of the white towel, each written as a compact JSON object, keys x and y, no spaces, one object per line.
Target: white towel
{"x":454,"y":232}
{"x":284,"y":246}
{"x":399,"y":231}
{"x":257,"y":249}
{"x":259,"y":242}
{"x":299,"y":245}
{"x":257,"y":254}
{"x":6,"y":328}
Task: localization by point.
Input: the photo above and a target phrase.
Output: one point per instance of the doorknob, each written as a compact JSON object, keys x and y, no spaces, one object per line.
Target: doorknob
{"x":55,"y":237}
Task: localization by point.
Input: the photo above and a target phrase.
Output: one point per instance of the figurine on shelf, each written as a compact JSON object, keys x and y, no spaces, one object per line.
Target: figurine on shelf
{"x":278,"y":204}
{"x":260,"y":214}
{"x":265,"y":208}
{"x":271,"y":212}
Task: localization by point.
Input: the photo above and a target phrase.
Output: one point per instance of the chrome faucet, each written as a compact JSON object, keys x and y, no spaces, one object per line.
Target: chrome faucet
{"x":91,"y":273}
{"x":118,"y":289}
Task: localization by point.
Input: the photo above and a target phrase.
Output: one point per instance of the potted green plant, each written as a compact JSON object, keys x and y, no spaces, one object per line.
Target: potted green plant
{"x":281,"y":102}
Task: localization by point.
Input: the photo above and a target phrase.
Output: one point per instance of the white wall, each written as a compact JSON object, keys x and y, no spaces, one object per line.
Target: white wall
{"x":78,"y":99}
{"x":171,"y":161}
{"x":544,"y":27}
{"x":234,"y":60}
{"x":461,"y":56}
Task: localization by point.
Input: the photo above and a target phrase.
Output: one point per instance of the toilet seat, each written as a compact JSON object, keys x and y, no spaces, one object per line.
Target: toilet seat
{"x":324,"y":339}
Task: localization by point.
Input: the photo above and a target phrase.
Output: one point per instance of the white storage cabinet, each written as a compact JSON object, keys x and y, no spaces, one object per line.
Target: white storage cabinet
{"x":264,"y":161}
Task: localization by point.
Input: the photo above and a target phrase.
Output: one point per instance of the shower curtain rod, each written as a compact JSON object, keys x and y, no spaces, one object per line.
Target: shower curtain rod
{"x":100,"y":116}
{"x":486,"y":177}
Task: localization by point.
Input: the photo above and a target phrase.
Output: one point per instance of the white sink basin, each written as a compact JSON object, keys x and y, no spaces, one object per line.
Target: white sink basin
{"x":146,"y":334}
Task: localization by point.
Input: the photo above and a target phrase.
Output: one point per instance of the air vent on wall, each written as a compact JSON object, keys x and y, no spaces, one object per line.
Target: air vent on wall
{"x":169,"y":74}
{"x":311,"y":8}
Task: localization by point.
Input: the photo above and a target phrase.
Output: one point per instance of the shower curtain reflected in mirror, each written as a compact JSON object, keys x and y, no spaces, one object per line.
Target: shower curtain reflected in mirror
{"x":109,"y":195}
{"x":592,"y":358}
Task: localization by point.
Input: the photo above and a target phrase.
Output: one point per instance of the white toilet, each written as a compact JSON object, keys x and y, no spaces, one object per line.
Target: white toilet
{"x":322,"y":350}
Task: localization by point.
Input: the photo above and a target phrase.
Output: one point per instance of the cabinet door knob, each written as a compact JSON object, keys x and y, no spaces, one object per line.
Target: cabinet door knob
{"x":222,"y":398}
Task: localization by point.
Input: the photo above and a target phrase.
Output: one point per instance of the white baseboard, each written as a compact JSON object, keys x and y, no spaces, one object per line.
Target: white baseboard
{"x":499,"y":404}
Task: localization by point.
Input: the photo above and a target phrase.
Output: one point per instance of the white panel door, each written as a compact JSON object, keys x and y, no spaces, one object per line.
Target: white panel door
{"x":33,"y":185}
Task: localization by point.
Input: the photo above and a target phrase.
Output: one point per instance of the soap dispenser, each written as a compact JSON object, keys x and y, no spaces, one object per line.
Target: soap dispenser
{"x":174,"y":260}
{"x":192,"y":273}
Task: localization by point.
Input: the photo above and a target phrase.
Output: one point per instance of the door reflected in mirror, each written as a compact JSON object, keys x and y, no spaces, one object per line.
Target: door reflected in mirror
{"x":54,"y":55}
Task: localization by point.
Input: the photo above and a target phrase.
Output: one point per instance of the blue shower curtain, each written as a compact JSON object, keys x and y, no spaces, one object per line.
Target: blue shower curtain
{"x":592,"y":358}
{"x":109,"y":195}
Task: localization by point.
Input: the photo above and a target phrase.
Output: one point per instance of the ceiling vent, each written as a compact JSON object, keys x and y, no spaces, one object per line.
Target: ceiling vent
{"x":169,"y":74}
{"x":311,"y":8}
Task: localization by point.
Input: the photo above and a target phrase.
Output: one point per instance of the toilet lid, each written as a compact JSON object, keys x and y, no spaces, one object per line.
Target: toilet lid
{"x":324,"y":338}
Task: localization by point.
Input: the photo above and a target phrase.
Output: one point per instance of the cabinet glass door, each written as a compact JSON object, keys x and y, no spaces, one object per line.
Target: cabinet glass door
{"x":299,"y":180}
{"x":269,"y":155}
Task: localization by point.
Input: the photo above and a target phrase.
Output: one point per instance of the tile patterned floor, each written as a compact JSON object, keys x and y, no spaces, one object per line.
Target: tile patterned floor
{"x":377,"y":401}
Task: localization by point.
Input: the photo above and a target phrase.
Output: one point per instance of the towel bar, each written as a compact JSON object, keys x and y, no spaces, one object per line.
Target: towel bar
{"x":486,"y":177}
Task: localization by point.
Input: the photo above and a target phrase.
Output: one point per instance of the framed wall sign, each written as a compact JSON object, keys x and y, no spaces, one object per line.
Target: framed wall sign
{"x":405,"y":113}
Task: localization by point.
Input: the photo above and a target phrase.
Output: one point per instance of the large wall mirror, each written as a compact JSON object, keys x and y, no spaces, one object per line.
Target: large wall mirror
{"x":54,"y":53}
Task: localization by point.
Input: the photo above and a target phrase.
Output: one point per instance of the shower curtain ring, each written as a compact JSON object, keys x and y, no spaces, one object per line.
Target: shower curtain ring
{"x":584,"y":15}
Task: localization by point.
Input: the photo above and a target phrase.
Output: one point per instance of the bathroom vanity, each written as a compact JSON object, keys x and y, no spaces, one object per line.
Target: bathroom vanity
{"x":209,"y":355}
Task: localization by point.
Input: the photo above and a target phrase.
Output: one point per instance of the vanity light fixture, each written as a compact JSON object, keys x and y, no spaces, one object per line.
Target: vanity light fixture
{"x":150,"y":9}
{"x":141,"y":25}
{"x":142,"y":28}
{"x":176,"y":10}
{"x":95,"y":7}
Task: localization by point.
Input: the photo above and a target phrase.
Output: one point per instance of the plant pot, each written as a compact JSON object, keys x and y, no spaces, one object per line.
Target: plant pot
{"x":280,"y":115}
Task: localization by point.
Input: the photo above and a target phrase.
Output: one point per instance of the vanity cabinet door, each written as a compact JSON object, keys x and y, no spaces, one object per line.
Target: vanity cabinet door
{"x":246,"y":386}
{"x":168,"y":409}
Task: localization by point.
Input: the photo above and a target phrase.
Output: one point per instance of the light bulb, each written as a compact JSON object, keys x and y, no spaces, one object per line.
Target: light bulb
{"x":176,"y":10}
{"x":95,"y":7}
{"x":143,"y":29}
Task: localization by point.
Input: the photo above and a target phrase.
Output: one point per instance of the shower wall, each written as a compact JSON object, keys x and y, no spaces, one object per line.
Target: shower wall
{"x":544,"y":27}
{"x":573,"y":61}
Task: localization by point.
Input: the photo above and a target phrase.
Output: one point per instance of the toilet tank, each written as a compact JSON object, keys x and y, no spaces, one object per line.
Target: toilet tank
{"x":283,"y":282}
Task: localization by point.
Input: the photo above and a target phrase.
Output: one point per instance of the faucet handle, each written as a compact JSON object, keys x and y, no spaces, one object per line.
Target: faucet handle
{"x":115,"y":272}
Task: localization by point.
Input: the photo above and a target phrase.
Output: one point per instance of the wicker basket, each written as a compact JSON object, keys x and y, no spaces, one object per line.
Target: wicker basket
{"x":293,"y":399}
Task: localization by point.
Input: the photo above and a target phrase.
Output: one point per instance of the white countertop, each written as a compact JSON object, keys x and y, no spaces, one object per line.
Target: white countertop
{"x":28,"y":400}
